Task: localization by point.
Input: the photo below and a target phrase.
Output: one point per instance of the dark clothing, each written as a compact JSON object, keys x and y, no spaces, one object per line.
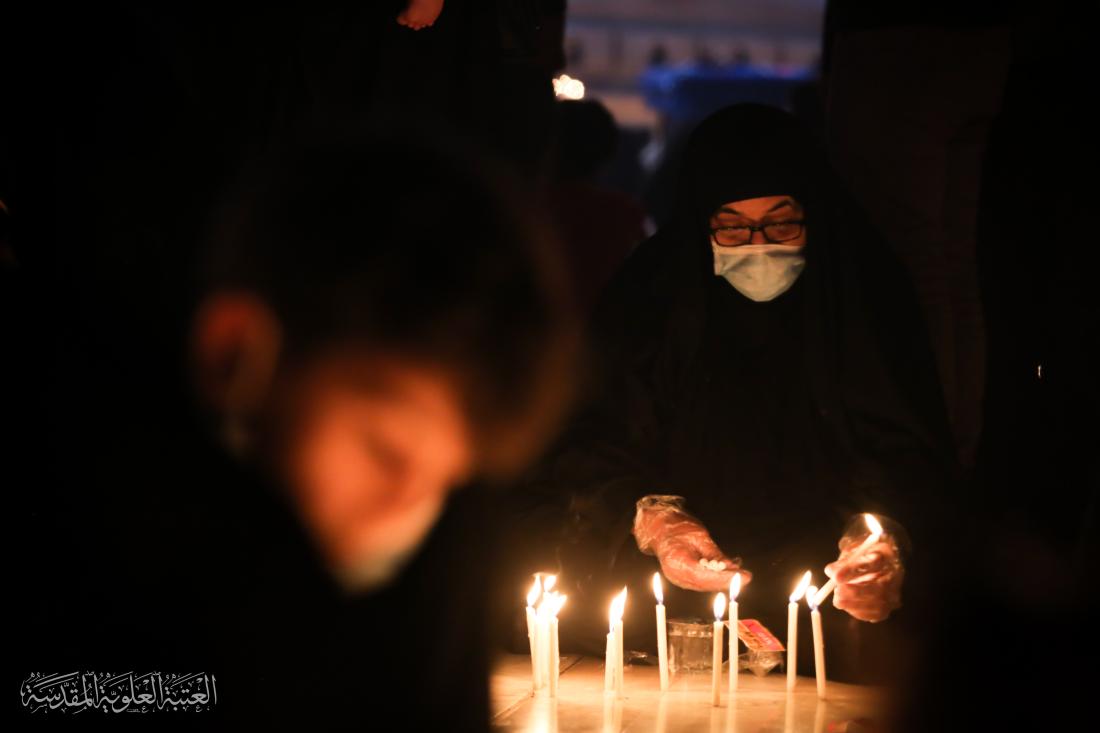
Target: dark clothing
{"x":146,"y":547}
{"x":909,"y":114}
{"x":179,"y":559}
{"x":777,"y":420}
{"x":598,"y":228}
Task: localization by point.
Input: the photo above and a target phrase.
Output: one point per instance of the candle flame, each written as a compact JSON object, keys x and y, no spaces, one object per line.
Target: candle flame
{"x":719,"y":606}
{"x":617,"y":605}
{"x":658,"y":590}
{"x":735,"y":587}
{"x":549,"y":582}
{"x":811,"y":597}
{"x":534,"y":593}
{"x":567,"y":87}
{"x":555,"y":605}
{"x":873,"y":527}
{"x":800,"y":589}
{"x":544,"y":604}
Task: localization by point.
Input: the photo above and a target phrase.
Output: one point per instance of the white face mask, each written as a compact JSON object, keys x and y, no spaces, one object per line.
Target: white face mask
{"x":760,"y":272}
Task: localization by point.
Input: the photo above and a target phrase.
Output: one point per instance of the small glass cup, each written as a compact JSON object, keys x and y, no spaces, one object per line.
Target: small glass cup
{"x":690,"y":642}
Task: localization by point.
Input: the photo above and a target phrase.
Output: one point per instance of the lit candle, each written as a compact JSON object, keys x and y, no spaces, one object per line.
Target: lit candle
{"x":620,"y":663}
{"x":875,"y":530}
{"x":613,"y":658}
{"x":662,"y":631}
{"x":533,"y":633}
{"x":819,"y":641}
{"x":609,"y":661}
{"x":735,"y":589}
{"x":555,"y":606}
{"x":792,"y":629}
{"x":542,"y":616}
{"x":716,"y":657}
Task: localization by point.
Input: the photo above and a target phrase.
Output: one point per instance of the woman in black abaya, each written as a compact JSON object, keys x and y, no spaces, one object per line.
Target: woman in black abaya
{"x":761,"y":359}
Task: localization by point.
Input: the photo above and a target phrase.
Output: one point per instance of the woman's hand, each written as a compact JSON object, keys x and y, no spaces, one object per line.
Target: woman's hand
{"x":868,"y":582}
{"x":689,"y":557}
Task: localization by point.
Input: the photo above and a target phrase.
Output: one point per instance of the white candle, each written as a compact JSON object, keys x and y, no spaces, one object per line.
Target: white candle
{"x":792,"y":629}
{"x":662,"y":631}
{"x":620,"y":663}
{"x":542,"y":618}
{"x":735,"y":590}
{"x":613,"y":678}
{"x":555,"y":657}
{"x":612,"y":715}
{"x":819,"y":641}
{"x":609,"y":661}
{"x":716,"y":657}
{"x":544,"y":613}
{"x":875,"y":530}
{"x":532,"y":633}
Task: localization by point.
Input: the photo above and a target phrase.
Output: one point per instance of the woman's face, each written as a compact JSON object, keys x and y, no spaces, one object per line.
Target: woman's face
{"x":764,"y":220}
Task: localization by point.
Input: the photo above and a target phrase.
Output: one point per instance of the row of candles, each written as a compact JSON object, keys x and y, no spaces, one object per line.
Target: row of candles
{"x":544,"y":604}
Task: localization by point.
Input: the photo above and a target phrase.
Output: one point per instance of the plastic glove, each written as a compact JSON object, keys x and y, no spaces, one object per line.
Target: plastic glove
{"x":868,"y":582}
{"x":689,"y":557}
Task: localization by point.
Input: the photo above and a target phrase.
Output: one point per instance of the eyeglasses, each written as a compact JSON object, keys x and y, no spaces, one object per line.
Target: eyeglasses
{"x":775,"y":232}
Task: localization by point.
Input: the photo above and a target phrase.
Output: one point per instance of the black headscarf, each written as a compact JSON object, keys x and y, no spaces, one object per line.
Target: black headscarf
{"x":777,"y":421}
{"x":863,"y":350}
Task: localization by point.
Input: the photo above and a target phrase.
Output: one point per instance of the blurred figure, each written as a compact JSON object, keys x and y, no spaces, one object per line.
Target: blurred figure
{"x":763,"y":378}
{"x":912,"y":91}
{"x":1033,"y":564}
{"x":598,"y":226}
{"x":374,"y":396}
{"x":376,"y":326}
{"x":420,"y":13}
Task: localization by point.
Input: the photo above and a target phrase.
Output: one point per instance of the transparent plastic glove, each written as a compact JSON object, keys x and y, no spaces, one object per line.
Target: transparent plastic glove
{"x":689,"y":557}
{"x":868,"y":581}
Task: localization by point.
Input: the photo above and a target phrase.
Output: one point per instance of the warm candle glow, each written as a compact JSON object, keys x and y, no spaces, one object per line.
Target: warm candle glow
{"x":873,"y":527}
{"x":534,"y":593}
{"x":800,"y":589}
{"x":567,"y":87}
{"x":556,"y":604}
{"x":719,"y":606}
{"x":735,"y":587}
{"x":617,"y":605}
{"x":549,"y":582}
{"x":658,"y":590}
{"x":811,"y":597}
